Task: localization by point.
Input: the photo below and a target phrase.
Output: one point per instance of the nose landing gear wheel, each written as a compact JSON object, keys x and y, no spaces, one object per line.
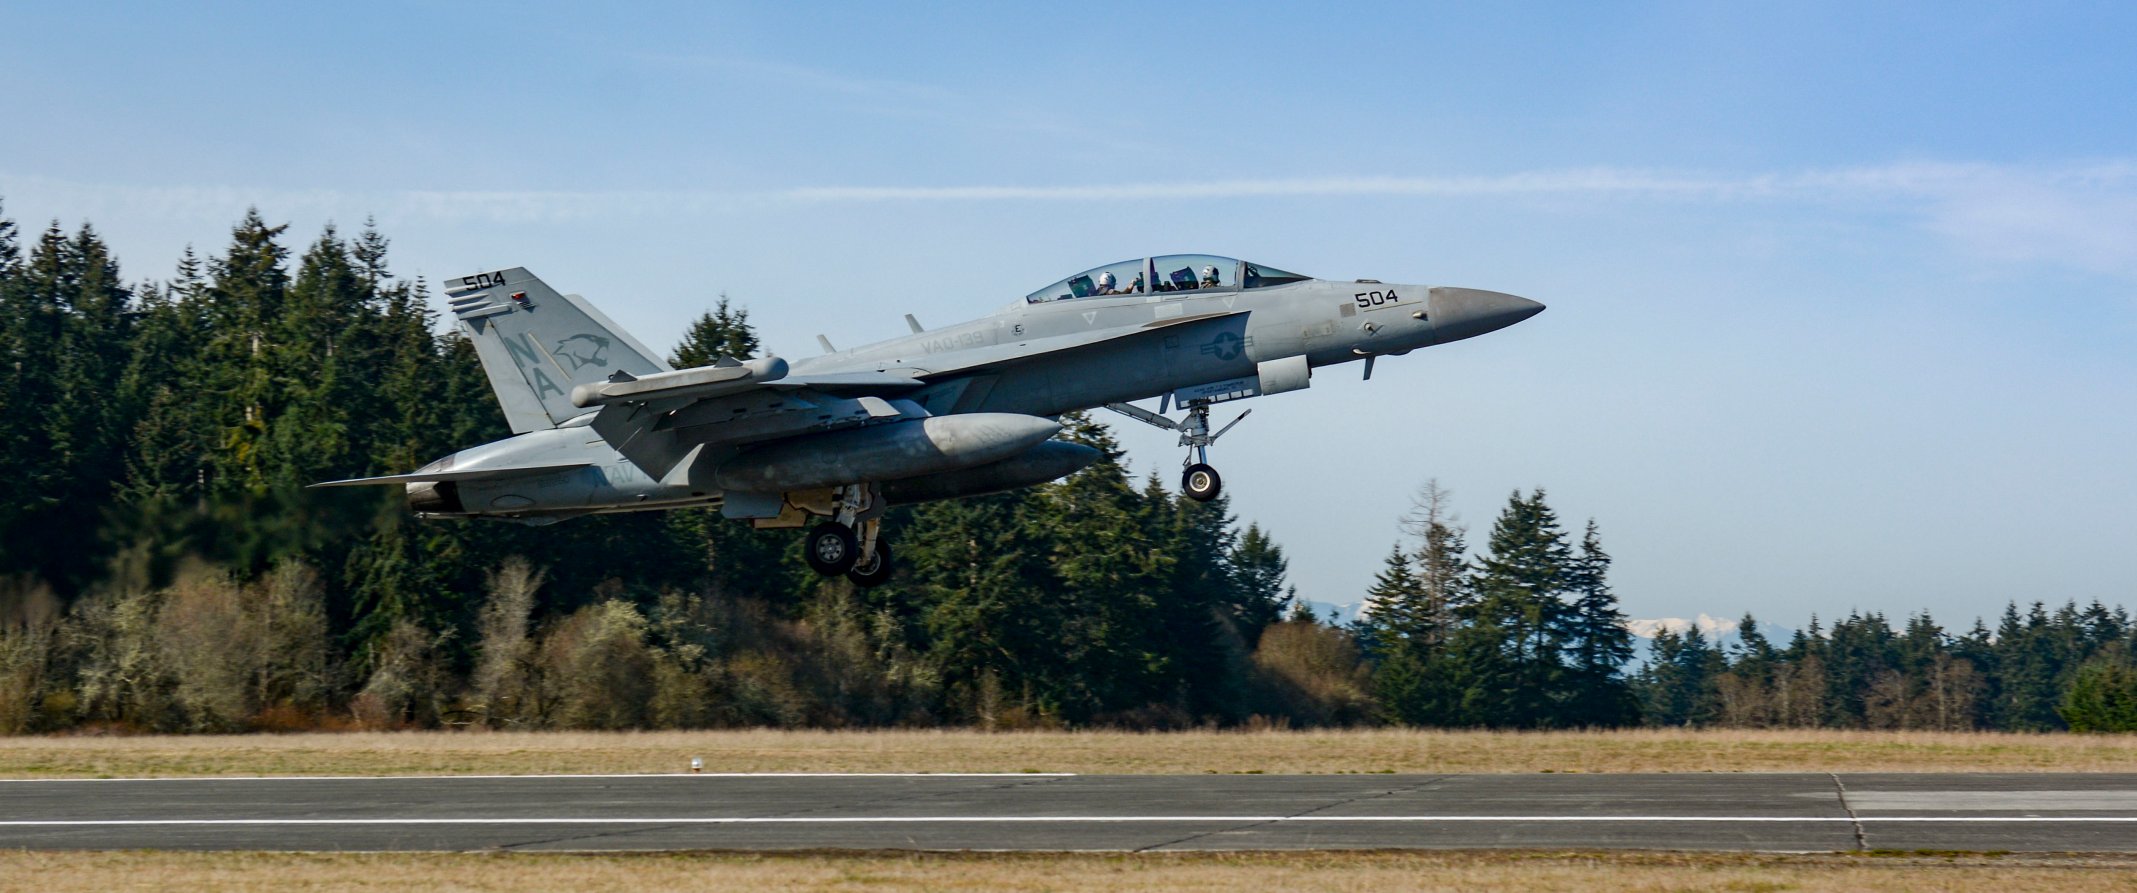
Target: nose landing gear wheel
{"x":831,"y":548}
{"x":874,"y":570}
{"x":1201,"y":483}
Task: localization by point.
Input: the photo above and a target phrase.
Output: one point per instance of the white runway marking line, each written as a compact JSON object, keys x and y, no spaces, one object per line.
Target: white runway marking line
{"x":1217,"y":819}
{"x":518,"y":777}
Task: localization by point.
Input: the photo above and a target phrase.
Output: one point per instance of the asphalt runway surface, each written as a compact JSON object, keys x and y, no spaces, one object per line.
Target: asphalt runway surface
{"x":1752,"y":812}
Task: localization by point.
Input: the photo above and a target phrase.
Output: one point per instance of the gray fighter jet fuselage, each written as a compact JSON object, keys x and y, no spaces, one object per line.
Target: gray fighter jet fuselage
{"x":604,"y":426}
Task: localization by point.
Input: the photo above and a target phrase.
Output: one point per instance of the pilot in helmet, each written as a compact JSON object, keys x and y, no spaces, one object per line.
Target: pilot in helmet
{"x":1105,"y":284}
{"x":1209,"y":276}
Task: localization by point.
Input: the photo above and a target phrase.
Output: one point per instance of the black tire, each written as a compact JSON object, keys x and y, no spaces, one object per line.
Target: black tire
{"x":831,"y":548}
{"x":1201,"y":483}
{"x":872,"y":572}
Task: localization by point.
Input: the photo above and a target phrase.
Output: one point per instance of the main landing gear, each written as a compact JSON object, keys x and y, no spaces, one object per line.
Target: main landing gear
{"x":849,"y":543}
{"x":1198,"y":480}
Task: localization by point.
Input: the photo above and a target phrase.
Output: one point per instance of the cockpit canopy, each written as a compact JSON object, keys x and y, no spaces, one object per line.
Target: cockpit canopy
{"x":1165,"y":273}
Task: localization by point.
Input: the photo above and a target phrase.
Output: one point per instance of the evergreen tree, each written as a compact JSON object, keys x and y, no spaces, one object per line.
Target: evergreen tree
{"x":740,"y":560}
{"x":1405,"y":635}
{"x":1859,"y":649}
{"x":1598,"y":643}
{"x":249,"y":286}
{"x":1111,"y":584}
{"x":2028,"y":666}
{"x":89,"y":416}
{"x":16,"y":364}
{"x":66,"y":322}
{"x":721,"y":332}
{"x":2103,"y":694}
{"x":13,"y":447}
{"x":34,"y":321}
{"x":1258,"y":567}
{"x":326,"y":370}
{"x":1213,"y":598}
{"x":1752,"y":646}
{"x":989,"y":621}
{"x":1396,"y":611}
{"x":1744,"y":693}
{"x":1412,"y":616}
{"x":10,"y":247}
{"x":1676,"y":687}
{"x":1516,"y":638}
{"x":175,"y":430}
{"x":418,"y":409}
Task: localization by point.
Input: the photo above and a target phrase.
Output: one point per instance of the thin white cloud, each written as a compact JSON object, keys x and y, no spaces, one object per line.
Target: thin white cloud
{"x":2082,"y":215}
{"x":1592,"y":181}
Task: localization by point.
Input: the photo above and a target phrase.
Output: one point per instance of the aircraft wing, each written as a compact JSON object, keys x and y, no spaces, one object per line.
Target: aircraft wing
{"x":1007,"y":353}
{"x":661,"y":420}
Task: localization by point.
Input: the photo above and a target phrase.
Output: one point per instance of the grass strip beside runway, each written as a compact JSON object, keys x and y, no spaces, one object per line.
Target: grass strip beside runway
{"x":1312,"y":752}
{"x":59,"y":872}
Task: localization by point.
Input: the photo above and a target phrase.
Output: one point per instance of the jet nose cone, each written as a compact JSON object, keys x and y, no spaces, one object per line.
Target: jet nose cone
{"x":1459,"y":313}
{"x":1519,"y":308}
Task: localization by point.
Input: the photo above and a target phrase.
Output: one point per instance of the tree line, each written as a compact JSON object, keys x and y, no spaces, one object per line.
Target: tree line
{"x":1528,"y":635}
{"x":162,"y":567}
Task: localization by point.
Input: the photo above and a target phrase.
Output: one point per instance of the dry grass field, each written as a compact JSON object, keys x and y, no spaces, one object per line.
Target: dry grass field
{"x":1273,"y":752}
{"x":1467,"y":871}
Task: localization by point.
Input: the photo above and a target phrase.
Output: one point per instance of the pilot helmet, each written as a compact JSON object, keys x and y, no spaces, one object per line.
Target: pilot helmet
{"x":1209,"y":272}
{"x":1105,"y":279}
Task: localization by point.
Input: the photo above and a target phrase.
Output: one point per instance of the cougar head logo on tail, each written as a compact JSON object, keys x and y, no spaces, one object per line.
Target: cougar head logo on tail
{"x":584,"y":351}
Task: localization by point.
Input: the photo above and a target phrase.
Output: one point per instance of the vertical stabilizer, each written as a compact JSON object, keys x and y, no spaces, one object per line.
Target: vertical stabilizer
{"x":536,"y":344}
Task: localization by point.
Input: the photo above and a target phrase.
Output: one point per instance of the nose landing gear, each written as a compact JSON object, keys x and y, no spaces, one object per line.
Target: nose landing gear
{"x":1198,"y":480}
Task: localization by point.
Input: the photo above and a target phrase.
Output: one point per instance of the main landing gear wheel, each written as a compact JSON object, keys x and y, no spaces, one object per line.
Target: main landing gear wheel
{"x":872,"y":571}
{"x":831,"y":548}
{"x":1201,"y":483}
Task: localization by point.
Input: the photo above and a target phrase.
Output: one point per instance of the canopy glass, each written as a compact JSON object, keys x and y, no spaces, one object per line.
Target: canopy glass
{"x":1165,"y":273}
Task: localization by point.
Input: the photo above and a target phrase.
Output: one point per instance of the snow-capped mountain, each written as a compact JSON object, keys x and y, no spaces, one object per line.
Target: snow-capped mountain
{"x":1716,"y":631}
{"x":1334,"y":614}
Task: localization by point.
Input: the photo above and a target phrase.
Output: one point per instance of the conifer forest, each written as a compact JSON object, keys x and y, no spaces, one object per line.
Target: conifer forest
{"x":163,"y":568}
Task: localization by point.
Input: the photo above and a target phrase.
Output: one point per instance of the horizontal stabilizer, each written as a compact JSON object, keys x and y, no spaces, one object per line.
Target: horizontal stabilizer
{"x":472,"y":474}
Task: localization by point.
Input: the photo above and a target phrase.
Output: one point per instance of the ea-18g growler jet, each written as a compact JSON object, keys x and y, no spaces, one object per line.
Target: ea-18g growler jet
{"x":602,"y":425}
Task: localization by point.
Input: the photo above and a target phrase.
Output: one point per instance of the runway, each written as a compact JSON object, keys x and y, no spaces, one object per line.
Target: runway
{"x":1748,"y":812}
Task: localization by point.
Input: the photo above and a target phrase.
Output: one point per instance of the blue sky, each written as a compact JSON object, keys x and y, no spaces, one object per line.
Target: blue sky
{"x":1843,"y":296}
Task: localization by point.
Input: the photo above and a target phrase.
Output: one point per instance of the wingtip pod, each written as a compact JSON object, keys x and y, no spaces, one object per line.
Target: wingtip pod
{"x":703,"y":381}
